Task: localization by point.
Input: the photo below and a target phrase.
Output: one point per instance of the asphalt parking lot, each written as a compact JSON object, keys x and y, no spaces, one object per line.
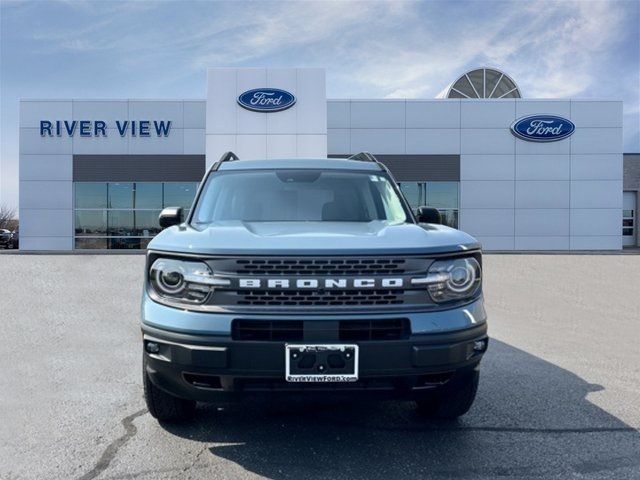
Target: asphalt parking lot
{"x":559,"y":395}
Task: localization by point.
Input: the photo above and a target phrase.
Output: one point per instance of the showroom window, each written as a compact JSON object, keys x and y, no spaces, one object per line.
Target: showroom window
{"x":440,"y":195}
{"x":124,"y":215}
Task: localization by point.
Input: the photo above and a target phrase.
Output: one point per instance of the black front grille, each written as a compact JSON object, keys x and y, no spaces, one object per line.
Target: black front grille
{"x":265,"y":330}
{"x":321,"y":298}
{"x":321,"y":268}
{"x":358,"y":330}
{"x":318,"y":266}
{"x":344,"y":330}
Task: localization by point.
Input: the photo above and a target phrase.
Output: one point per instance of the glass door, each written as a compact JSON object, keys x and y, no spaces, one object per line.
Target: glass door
{"x":629,"y":219}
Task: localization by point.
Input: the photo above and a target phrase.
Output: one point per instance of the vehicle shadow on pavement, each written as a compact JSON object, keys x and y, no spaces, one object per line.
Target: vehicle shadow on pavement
{"x":531,"y":418}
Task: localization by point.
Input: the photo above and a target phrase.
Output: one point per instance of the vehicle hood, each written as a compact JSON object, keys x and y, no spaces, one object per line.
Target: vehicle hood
{"x":312,"y":238}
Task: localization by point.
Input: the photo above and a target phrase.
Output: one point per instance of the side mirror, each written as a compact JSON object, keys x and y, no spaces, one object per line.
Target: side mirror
{"x":170,"y":216}
{"x":429,"y":215}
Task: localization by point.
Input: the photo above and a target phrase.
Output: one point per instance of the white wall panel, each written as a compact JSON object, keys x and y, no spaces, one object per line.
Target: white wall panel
{"x":171,"y":144}
{"x":33,"y":111}
{"x":46,"y":167}
{"x":111,"y":144}
{"x":217,"y":145}
{"x":433,"y":113}
{"x":433,"y":140}
{"x":486,"y":141}
{"x":543,"y":107}
{"x":251,"y":146}
{"x":542,"y":222}
{"x":487,"y":113}
{"x":596,"y":140}
{"x":45,"y":243}
{"x":195,"y":114}
{"x":590,"y":113}
{"x":597,"y":167}
{"x":45,"y":223}
{"x":281,"y":146}
{"x":542,"y":243}
{"x":487,"y":222}
{"x":377,"y":114}
{"x":338,"y":114}
{"x":45,"y":194}
{"x":194,"y":141}
{"x":561,"y":147}
{"x":543,"y":167}
{"x":542,"y":194}
{"x":338,"y":141}
{"x":596,"y":194}
{"x":596,"y":221}
{"x":486,"y":194}
{"x":221,"y":103}
{"x":157,"y":110}
{"x":311,"y":107}
{"x":312,"y":146}
{"x":109,"y":111}
{"x":487,"y":167}
{"x":596,"y":243}
{"x":31,"y":143}
{"x":489,"y":242}
{"x":378,"y":140}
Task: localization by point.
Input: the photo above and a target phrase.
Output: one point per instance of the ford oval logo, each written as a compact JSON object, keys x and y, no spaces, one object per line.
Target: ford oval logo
{"x":542,"y":128}
{"x":266,"y":100}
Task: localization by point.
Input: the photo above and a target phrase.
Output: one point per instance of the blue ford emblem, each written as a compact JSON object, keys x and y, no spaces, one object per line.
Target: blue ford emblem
{"x":542,"y":128}
{"x":266,"y":100}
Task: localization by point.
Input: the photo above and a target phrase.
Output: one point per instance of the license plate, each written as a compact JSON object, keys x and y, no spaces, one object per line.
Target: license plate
{"x":321,"y":363}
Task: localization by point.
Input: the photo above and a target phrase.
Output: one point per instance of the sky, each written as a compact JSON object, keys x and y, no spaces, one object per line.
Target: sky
{"x":145,"y":49}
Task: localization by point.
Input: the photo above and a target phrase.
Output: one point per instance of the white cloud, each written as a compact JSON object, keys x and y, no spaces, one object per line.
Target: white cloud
{"x":386,"y":49}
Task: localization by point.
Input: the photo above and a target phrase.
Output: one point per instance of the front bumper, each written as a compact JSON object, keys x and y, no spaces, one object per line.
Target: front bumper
{"x":210,"y":366}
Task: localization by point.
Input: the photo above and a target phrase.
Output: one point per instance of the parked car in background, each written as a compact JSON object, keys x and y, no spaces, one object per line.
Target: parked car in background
{"x":6,"y":238}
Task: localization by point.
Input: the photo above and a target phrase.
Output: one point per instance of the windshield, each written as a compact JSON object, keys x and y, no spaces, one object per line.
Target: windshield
{"x":298,"y":196}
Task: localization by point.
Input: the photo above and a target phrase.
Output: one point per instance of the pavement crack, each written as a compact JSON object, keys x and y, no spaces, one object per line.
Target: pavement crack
{"x":111,"y":451}
{"x":195,"y":459}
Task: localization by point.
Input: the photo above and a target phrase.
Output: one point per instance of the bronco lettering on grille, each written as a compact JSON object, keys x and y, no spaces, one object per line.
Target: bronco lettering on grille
{"x":328,"y":283}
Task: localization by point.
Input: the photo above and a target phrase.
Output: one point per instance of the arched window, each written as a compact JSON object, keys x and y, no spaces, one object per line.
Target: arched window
{"x":484,"y":83}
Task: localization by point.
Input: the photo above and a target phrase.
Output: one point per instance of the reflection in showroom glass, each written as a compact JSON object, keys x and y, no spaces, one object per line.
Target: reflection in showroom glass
{"x":126,"y":210}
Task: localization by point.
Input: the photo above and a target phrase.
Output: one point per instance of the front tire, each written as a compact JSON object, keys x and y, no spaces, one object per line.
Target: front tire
{"x":163,"y":406}
{"x":453,"y":400}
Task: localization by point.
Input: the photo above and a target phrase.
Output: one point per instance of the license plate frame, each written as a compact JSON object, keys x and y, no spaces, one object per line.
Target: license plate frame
{"x":322,"y":352}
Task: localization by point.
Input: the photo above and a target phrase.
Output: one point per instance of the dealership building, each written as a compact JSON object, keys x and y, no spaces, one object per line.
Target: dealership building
{"x":94,"y":174}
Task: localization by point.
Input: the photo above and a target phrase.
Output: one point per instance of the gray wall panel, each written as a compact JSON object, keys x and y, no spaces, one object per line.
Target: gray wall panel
{"x":138,"y":168}
{"x":420,"y":168}
{"x":632,"y":171}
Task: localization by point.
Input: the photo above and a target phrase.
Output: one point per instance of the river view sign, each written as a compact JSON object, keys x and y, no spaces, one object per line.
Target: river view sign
{"x":100,"y":128}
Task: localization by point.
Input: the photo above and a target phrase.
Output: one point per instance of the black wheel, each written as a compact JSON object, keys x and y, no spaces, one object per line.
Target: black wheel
{"x":453,"y":400}
{"x":163,"y":406}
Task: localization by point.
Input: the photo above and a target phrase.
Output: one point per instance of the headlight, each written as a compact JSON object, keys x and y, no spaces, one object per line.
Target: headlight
{"x":183,"y":281}
{"x":454,"y":279}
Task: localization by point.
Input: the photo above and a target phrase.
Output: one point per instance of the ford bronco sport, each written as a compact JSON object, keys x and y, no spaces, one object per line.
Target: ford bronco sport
{"x":310,"y":277}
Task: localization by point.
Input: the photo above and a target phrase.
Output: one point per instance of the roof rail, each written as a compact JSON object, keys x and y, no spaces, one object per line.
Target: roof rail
{"x":363,"y":157}
{"x":226,"y":157}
